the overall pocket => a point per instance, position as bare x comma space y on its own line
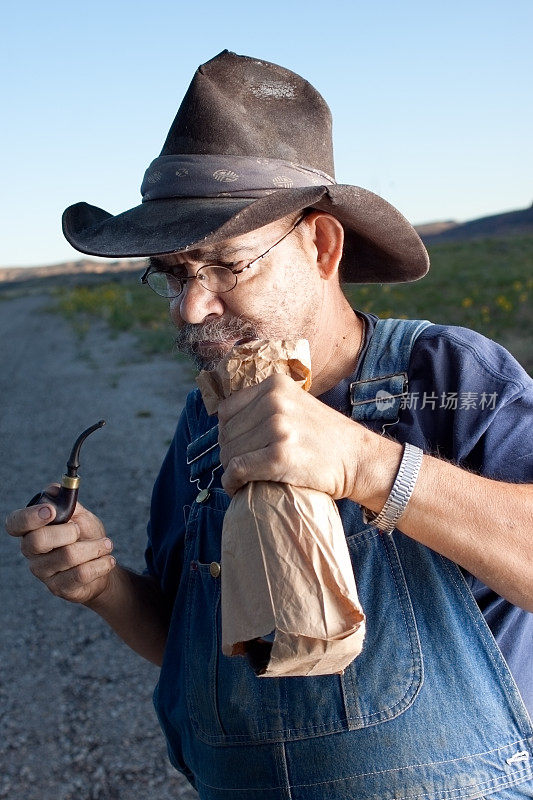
228, 703
384, 680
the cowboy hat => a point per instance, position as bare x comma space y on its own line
250, 144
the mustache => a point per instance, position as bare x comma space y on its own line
218, 333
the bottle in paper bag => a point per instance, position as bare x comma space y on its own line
289, 600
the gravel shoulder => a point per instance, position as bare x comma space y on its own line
76, 716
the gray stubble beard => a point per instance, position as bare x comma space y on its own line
222, 332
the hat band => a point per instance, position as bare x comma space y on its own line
225, 176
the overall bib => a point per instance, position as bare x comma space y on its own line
428, 710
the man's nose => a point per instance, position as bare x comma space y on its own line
195, 303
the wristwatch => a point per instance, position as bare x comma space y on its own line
401, 491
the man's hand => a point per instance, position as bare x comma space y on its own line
72, 559
277, 432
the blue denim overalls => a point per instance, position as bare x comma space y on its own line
428, 711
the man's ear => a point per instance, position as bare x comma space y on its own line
328, 239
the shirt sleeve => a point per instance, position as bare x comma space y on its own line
470, 402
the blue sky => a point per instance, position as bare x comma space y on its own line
431, 101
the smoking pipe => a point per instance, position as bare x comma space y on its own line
65, 501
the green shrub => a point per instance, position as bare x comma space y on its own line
485, 285
123, 307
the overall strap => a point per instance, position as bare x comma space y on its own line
203, 451
382, 377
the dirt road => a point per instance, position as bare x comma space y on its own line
76, 717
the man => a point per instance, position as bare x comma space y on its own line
247, 231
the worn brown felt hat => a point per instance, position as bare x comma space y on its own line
250, 144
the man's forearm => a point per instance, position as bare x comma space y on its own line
484, 525
134, 607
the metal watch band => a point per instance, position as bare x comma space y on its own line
401, 491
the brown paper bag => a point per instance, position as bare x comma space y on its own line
285, 566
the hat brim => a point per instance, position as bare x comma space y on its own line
381, 246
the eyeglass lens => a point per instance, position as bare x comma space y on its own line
212, 277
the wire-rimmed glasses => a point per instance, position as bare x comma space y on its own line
213, 277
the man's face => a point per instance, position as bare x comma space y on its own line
279, 297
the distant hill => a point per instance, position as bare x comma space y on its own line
434, 228
512, 223
69, 272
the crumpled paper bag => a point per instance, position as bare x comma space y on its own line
285, 566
